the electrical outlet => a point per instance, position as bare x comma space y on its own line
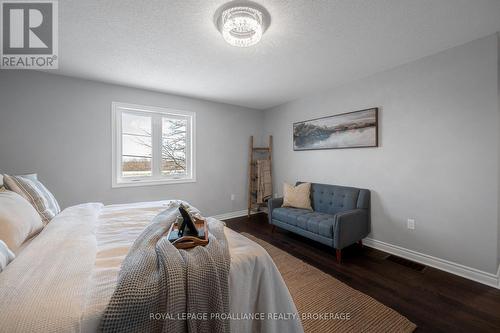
232, 197
410, 224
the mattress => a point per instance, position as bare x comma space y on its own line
63, 280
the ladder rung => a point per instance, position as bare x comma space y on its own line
260, 148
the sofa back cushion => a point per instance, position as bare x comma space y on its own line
333, 199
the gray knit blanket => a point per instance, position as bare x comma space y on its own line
163, 289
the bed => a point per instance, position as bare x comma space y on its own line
62, 279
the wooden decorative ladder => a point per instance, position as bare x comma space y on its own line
262, 153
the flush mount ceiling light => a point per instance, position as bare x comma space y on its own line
242, 23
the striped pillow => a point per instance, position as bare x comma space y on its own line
28, 189
51, 200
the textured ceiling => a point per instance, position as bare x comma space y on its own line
174, 47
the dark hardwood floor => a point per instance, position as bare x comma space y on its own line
434, 300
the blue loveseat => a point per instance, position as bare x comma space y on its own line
340, 216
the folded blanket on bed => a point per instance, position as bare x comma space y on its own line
163, 289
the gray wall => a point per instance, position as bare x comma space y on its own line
60, 127
498, 207
438, 160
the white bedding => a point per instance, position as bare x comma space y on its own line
63, 280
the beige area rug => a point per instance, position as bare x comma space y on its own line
315, 292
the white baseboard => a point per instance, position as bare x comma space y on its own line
231, 215
470, 273
498, 277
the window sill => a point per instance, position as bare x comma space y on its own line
139, 183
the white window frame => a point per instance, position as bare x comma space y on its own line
157, 178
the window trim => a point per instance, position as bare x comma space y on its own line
116, 155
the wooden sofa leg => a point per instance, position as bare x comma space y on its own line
360, 243
338, 253
273, 228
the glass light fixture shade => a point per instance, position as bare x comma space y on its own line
242, 25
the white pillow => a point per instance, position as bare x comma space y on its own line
18, 220
6, 255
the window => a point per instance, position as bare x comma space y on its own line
152, 145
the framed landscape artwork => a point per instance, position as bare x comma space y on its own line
356, 129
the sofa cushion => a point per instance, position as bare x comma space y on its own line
332, 199
289, 215
316, 222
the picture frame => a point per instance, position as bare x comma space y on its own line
356, 129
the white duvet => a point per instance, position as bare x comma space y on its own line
62, 281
